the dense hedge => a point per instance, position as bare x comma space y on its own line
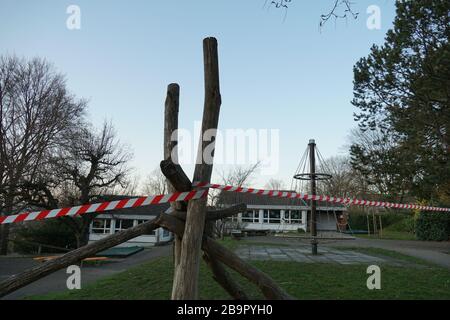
51, 232
433, 226
396, 222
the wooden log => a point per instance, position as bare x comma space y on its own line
73, 257
175, 174
171, 109
186, 275
178, 180
222, 277
268, 287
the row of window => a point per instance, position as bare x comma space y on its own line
110, 226
273, 216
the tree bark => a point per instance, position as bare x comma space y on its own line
186, 274
175, 174
224, 278
171, 109
22, 279
268, 287
4, 236
4, 228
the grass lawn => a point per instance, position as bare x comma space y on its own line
153, 280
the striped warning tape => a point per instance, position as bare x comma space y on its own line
304, 196
104, 206
197, 194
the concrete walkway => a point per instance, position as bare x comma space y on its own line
56, 282
434, 252
430, 251
303, 254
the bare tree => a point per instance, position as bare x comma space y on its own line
344, 181
36, 109
375, 155
239, 175
91, 164
275, 184
341, 9
155, 183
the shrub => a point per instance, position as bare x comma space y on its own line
51, 232
433, 226
407, 224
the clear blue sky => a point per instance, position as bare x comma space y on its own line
275, 73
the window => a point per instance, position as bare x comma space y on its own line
149, 233
274, 216
101, 226
247, 216
122, 224
295, 216
165, 233
250, 216
266, 216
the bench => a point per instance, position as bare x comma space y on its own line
91, 259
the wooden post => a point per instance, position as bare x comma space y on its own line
170, 126
186, 275
368, 224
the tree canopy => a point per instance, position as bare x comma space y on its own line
402, 91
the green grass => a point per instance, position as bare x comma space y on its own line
153, 280
390, 235
383, 253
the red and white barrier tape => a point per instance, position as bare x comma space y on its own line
104, 206
197, 194
304, 196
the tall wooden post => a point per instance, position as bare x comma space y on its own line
312, 165
186, 276
172, 105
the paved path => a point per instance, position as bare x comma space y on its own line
431, 251
434, 252
56, 282
303, 254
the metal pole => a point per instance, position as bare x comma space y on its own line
312, 162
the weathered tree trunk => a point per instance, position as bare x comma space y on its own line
170, 126
4, 236
4, 228
224, 278
175, 174
22, 279
186, 274
268, 287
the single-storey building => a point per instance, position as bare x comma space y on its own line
282, 214
114, 221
